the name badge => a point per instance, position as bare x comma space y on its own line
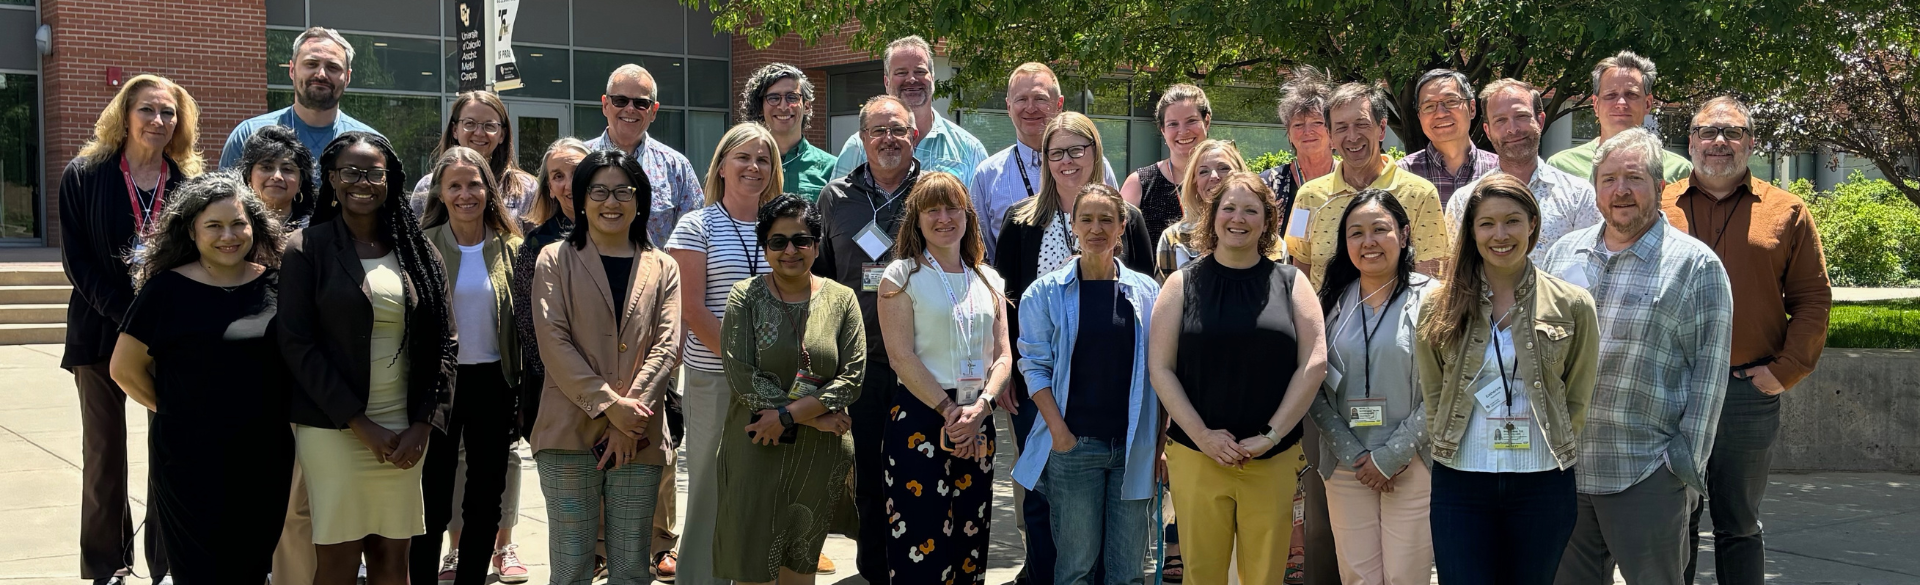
1512, 433
873, 241
870, 275
1491, 397
1297, 225
971, 382
805, 383
1366, 412
1575, 275
139, 253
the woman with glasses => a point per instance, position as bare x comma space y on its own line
1212, 161
796, 352
780, 97
479, 121
1183, 116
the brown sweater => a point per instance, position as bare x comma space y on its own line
1765, 237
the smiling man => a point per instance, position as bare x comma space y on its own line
939, 145
1622, 97
1450, 159
780, 96
1512, 122
630, 105
1033, 100
322, 65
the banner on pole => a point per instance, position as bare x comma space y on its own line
470, 44
506, 74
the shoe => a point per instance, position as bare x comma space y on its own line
362, 579
449, 566
826, 565
665, 566
506, 563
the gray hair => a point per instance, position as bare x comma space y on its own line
906, 42
1629, 60
874, 102
1304, 95
1349, 92
323, 34
1460, 80
755, 95
1726, 101
1634, 140
636, 72
1036, 68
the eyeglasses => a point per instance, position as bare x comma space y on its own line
1060, 154
621, 101
471, 125
885, 131
779, 243
790, 98
623, 193
1712, 133
355, 174
1429, 108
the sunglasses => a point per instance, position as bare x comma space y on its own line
621, 101
779, 243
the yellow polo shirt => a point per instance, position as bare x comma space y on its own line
1325, 199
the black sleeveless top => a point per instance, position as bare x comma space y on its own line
1159, 200
1238, 348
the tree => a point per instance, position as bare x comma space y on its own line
1869, 106
1551, 44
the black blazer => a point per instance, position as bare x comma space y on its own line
1017, 259
96, 230
326, 332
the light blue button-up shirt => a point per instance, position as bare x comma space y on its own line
946, 148
1049, 322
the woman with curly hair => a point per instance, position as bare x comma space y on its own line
279, 169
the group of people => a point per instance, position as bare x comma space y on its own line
340, 363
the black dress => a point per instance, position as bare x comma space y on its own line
1159, 201
1238, 347
221, 447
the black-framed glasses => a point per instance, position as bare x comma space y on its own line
1711, 133
790, 98
623, 193
1431, 107
621, 101
471, 125
885, 131
1060, 154
357, 174
779, 243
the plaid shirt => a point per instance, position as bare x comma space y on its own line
1428, 163
676, 187
1666, 322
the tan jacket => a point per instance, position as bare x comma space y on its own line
498, 249
593, 358
1557, 360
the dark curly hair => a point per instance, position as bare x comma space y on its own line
752, 98
642, 200
271, 144
171, 244
783, 206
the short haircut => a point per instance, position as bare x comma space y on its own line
323, 34
1304, 95
1725, 101
1350, 92
1629, 60
787, 205
636, 72
1466, 89
1637, 141
1509, 84
754, 98
1181, 92
906, 42
1036, 68
873, 103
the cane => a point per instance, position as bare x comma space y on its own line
1160, 532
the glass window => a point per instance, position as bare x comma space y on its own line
17, 50
543, 72
588, 122
670, 128
992, 127
709, 83
1101, 97
539, 21
17, 2
704, 130
1251, 141
279, 12
1113, 139
846, 92
1244, 104
623, 24
592, 69
532, 138
19, 155
408, 17
1586, 126
411, 123
378, 62
701, 38
1144, 145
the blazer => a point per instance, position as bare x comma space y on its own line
326, 332
499, 249
594, 355
95, 234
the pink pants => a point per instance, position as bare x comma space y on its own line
1382, 538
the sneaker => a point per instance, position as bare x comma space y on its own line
506, 563
665, 566
448, 567
826, 566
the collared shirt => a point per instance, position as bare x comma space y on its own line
1326, 199
1499, 371
946, 148
1566, 204
996, 185
315, 138
804, 170
676, 187
1781, 296
1430, 165
1665, 312
1578, 161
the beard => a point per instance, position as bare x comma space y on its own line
318, 98
889, 159
1717, 170
1522, 152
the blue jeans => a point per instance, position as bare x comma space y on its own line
1500, 528
1090, 520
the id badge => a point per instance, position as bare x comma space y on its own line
804, 384
972, 381
870, 276
1490, 397
139, 252
1514, 433
1366, 412
873, 241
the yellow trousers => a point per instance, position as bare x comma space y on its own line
1221, 507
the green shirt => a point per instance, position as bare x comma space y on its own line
805, 169
1578, 161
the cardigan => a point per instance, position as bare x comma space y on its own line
96, 232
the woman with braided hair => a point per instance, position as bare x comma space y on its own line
365, 328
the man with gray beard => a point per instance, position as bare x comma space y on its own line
1513, 121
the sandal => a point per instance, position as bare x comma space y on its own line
1173, 564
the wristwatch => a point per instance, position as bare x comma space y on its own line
1272, 435
786, 418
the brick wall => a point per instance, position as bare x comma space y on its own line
212, 48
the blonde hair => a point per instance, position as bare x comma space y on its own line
740, 134
1047, 202
110, 129
1036, 68
544, 204
1192, 203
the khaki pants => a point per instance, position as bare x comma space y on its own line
1383, 538
293, 561
1234, 515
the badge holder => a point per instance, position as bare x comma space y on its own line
1512, 433
1366, 412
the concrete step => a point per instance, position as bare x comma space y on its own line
22, 334
32, 275
34, 294
33, 313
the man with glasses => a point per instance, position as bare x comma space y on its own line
861, 214
780, 96
322, 65
938, 144
1512, 122
630, 104
1356, 114
1033, 99
1622, 97
1446, 116
1765, 237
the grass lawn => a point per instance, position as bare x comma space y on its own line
1891, 324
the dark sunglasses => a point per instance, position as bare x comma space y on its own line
779, 243
621, 101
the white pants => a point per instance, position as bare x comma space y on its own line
707, 399
1382, 538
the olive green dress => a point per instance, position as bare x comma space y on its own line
777, 502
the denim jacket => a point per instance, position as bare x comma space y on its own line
1049, 322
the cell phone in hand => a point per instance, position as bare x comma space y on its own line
600, 449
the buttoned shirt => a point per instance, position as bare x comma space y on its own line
1430, 165
1566, 204
997, 184
804, 169
1666, 321
676, 186
1578, 161
1326, 198
947, 148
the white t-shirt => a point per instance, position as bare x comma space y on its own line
731, 257
473, 308
938, 322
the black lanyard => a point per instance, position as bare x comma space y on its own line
1021, 163
1367, 334
1694, 226
753, 263
1500, 360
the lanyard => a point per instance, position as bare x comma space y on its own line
1693, 228
1367, 334
1020, 162
143, 212
753, 262
1500, 360
891, 197
964, 324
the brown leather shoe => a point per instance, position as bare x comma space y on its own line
826, 565
665, 566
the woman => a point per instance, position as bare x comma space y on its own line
779, 96
1183, 115
548, 220
1304, 108
713, 247
279, 169
1372, 427
796, 353
945, 328
144, 144
197, 349
469, 226
1085, 338
1226, 329
479, 121
366, 328
1503, 480
608, 319
1213, 160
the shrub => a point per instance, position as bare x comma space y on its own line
1260, 164
1870, 232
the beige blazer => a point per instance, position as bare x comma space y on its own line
594, 355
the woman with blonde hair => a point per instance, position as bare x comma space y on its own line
1213, 160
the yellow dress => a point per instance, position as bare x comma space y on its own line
351, 494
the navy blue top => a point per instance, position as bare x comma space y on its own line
620, 277
1102, 363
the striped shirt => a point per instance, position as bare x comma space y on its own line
731, 258
1666, 322
1477, 452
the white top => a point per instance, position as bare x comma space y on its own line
1476, 448
731, 257
1566, 204
473, 308
939, 323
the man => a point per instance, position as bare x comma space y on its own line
938, 144
1450, 159
322, 65
1622, 96
1512, 122
630, 105
1033, 99
780, 96
1780, 301
1355, 114
1665, 317
870, 198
